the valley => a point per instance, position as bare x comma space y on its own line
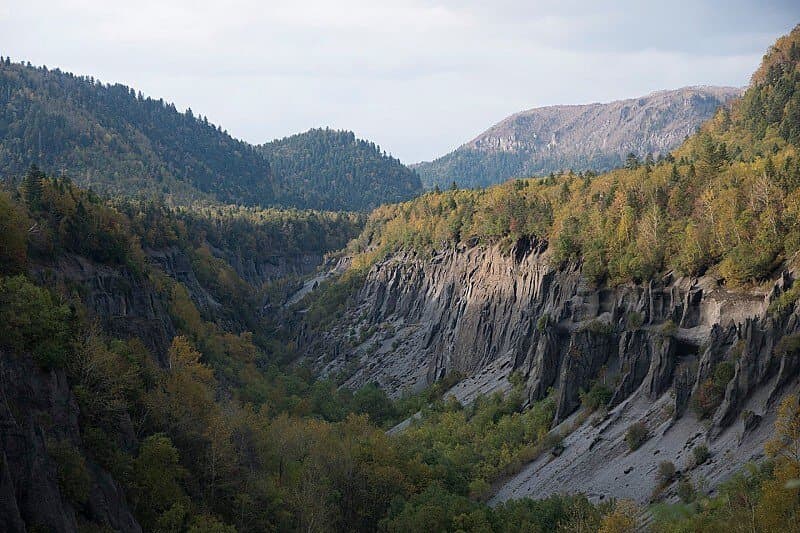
200, 334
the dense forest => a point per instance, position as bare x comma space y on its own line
330, 167
116, 141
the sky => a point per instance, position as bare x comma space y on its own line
417, 77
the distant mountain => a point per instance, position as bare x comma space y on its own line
578, 137
114, 140
331, 167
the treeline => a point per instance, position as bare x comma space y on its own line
728, 199
118, 142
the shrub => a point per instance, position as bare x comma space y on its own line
666, 473
636, 435
700, 454
541, 324
597, 396
73, 476
635, 320
668, 328
723, 374
789, 344
706, 400
686, 491
622, 519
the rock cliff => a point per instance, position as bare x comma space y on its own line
485, 312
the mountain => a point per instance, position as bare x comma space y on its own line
651, 314
580, 352
594, 137
329, 167
114, 140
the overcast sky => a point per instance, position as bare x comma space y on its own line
417, 77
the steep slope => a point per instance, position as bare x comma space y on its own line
672, 286
329, 167
594, 137
117, 142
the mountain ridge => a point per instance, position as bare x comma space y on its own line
115, 140
595, 136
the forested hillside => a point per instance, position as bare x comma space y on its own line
116, 141
329, 167
596, 137
157, 373
727, 198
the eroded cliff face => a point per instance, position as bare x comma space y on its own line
484, 312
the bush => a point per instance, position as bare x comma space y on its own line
666, 473
789, 344
700, 454
636, 436
541, 323
635, 320
598, 396
686, 490
73, 476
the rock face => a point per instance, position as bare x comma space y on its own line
579, 137
36, 410
484, 313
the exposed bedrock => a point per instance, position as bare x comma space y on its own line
484, 312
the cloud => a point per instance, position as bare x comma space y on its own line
418, 77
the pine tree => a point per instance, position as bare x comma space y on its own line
32, 187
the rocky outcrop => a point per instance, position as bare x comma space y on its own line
38, 411
466, 307
478, 310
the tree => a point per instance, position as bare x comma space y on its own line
33, 189
785, 443
623, 519
156, 481
13, 237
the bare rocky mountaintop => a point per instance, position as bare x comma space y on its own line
580, 137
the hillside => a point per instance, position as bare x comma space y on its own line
328, 167
653, 312
595, 137
580, 352
114, 140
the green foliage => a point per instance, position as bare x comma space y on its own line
488, 440
121, 143
32, 320
158, 496
13, 237
73, 476
665, 473
789, 345
710, 393
686, 491
345, 172
328, 302
700, 454
785, 301
597, 396
636, 435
